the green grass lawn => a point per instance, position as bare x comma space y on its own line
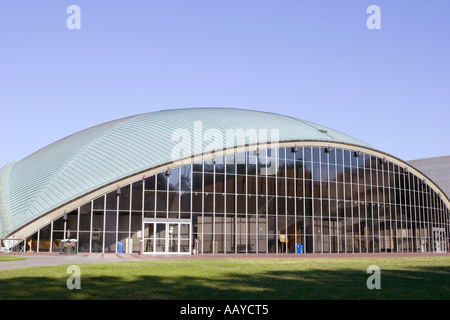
218, 279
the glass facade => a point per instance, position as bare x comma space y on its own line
324, 200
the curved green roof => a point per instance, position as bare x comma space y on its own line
98, 156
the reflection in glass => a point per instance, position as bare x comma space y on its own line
329, 200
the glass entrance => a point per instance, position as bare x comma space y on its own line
439, 240
167, 237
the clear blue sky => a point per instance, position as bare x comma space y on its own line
314, 60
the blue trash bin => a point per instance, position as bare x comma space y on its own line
119, 247
298, 248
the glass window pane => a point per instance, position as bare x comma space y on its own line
308, 154
316, 154
150, 183
85, 217
230, 163
136, 203
124, 198
99, 203
124, 220
174, 179
161, 181
185, 178
58, 224
185, 202
149, 201
230, 183
220, 181
44, 240
97, 220
72, 223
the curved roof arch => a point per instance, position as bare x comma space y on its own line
103, 154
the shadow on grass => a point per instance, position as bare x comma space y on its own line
429, 283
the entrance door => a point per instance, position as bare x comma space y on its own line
167, 237
439, 242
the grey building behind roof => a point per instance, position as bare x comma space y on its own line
437, 168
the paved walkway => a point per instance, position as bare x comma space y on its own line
41, 259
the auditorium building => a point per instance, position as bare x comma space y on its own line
222, 181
